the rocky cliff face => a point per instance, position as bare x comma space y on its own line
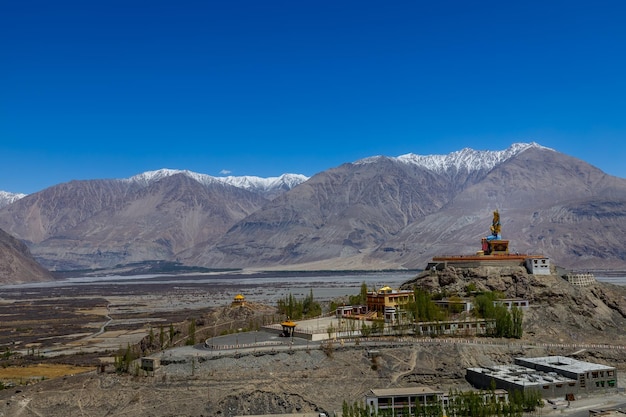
16, 263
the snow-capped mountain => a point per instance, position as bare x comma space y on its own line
466, 159
150, 177
267, 186
379, 212
285, 181
7, 198
384, 211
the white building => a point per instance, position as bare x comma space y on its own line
538, 265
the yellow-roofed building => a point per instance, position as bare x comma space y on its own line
387, 302
239, 300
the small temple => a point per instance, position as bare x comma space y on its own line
289, 328
239, 301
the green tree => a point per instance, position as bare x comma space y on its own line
507, 323
124, 358
483, 305
297, 309
310, 307
360, 298
191, 338
517, 317
423, 308
366, 330
151, 337
504, 323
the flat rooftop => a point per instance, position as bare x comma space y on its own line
388, 392
565, 364
520, 375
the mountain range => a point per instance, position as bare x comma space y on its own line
375, 213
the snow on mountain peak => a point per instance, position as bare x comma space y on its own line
149, 177
466, 159
285, 181
7, 198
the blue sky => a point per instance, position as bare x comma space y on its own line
109, 89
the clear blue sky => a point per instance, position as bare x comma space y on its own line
109, 89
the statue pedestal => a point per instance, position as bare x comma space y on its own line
495, 246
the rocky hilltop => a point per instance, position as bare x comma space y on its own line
559, 311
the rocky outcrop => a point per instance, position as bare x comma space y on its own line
558, 310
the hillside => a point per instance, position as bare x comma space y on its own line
559, 312
103, 223
17, 264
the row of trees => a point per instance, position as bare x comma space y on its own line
299, 309
423, 308
480, 404
460, 404
507, 323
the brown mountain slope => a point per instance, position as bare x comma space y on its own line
335, 214
55, 210
157, 222
375, 213
96, 224
549, 203
16, 263
394, 214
